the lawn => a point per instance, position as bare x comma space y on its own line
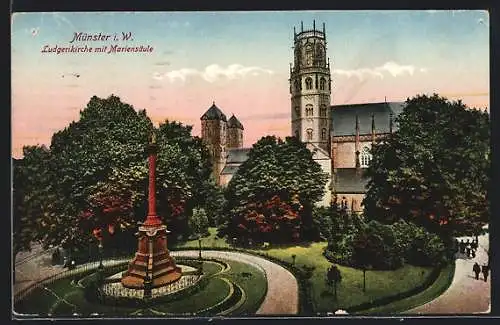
210, 241
436, 289
350, 292
64, 298
252, 281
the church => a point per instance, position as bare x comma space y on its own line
339, 136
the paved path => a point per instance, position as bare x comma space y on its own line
282, 296
34, 266
282, 288
466, 295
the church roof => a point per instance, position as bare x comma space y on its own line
344, 117
348, 181
233, 122
318, 153
237, 155
213, 113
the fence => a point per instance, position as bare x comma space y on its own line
77, 271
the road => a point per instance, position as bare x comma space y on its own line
466, 295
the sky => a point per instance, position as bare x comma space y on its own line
240, 61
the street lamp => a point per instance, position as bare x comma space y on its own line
100, 254
199, 244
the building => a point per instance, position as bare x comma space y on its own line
339, 136
222, 137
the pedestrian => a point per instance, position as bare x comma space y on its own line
485, 270
476, 269
474, 245
462, 246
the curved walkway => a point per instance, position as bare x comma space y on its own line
466, 295
282, 289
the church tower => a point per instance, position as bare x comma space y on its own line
310, 88
213, 133
234, 133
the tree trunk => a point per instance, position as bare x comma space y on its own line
335, 289
364, 280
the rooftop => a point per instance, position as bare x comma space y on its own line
214, 113
344, 117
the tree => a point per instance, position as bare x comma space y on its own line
333, 277
434, 170
95, 176
275, 187
198, 222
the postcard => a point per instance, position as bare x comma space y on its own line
250, 164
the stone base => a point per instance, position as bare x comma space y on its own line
134, 281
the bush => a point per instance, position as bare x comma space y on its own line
354, 242
376, 246
420, 247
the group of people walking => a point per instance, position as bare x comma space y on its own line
468, 248
481, 269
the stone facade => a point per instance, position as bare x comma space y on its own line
340, 136
219, 135
310, 88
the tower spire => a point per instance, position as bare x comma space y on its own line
301, 26
314, 24
324, 30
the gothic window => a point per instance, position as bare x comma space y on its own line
365, 157
319, 51
309, 83
297, 85
322, 83
309, 134
297, 134
309, 110
322, 111
323, 134
309, 54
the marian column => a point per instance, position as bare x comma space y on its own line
152, 265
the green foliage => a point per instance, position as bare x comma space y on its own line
198, 222
419, 246
435, 170
333, 275
343, 231
95, 177
376, 246
371, 244
275, 187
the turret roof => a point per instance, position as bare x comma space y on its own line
234, 123
213, 113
